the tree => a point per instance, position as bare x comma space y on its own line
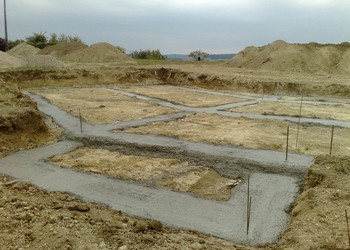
121, 49
53, 39
38, 40
69, 39
198, 55
2, 44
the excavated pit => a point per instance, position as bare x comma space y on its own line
274, 182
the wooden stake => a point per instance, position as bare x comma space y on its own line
81, 122
347, 225
331, 146
301, 105
287, 144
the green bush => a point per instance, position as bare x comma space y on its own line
40, 40
147, 54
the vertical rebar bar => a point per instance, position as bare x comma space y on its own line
287, 144
347, 225
301, 105
249, 212
248, 203
331, 146
81, 122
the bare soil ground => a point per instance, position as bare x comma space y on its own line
318, 215
21, 140
36, 219
160, 172
98, 106
251, 133
180, 96
325, 111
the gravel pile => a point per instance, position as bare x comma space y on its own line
97, 53
23, 50
62, 49
9, 61
43, 61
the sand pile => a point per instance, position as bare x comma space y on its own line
9, 61
23, 50
98, 53
62, 49
307, 58
43, 61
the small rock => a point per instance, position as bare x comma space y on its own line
79, 207
21, 186
83, 208
141, 227
123, 248
147, 238
201, 241
57, 205
155, 225
10, 183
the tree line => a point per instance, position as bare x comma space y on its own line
41, 40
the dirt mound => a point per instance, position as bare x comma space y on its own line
9, 61
43, 61
17, 111
307, 58
23, 50
62, 49
98, 53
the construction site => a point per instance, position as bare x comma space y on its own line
101, 151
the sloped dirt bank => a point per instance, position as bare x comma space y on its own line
205, 76
318, 214
21, 124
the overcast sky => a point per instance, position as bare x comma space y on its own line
181, 26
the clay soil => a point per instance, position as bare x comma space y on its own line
159, 172
251, 133
325, 111
98, 106
181, 96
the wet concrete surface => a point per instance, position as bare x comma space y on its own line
267, 160
271, 193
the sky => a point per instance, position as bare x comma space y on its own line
181, 26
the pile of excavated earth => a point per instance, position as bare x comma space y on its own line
308, 58
26, 55
21, 124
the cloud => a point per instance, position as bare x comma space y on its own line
184, 25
